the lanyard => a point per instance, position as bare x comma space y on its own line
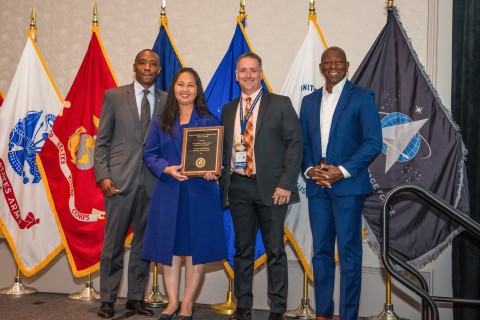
243, 122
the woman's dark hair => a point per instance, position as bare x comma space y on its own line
171, 112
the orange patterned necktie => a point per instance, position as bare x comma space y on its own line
248, 138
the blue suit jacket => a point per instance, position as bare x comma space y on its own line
355, 138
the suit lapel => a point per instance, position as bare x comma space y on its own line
342, 103
157, 109
316, 119
262, 109
132, 106
230, 121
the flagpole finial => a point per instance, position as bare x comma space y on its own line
242, 9
95, 16
33, 23
163, 13
390, 3
311, 10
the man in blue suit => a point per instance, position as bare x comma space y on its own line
341, 135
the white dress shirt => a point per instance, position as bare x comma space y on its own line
139, 96
327, 109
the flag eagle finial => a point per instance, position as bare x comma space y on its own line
33, 23
311, 9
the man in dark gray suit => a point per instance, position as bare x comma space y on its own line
125, 181
262, 154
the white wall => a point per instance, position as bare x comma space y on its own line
202, 31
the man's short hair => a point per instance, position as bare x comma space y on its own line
250, 55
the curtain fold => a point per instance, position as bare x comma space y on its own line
466, 112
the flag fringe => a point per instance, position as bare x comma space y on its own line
21, 266
313, 18
299, 252
164, 24
240, 24
49, 75
105, 56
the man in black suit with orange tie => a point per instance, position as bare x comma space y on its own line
262, 154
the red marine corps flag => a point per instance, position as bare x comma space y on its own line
67, 160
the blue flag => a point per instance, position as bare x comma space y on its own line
223, 88
170, 60
421, 146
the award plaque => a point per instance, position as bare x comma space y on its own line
202, 151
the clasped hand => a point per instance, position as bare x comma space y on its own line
325, 175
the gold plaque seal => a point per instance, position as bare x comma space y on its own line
200, 163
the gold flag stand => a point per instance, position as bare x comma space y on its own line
227, 307
154, 298
17, 288
88, 293
304, 311
387, 313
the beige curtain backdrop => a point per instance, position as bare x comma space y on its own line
202, 31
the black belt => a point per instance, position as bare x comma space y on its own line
252, 176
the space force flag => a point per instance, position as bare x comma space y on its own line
26, 117
303, 78
67, 162
170, 61
223, 88
421, 146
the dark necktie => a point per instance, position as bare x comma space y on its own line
145, 113
248, 138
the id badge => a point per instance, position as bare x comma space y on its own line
240, 156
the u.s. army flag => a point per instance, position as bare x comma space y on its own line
26, 117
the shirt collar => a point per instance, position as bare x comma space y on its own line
336, 88
253, 95
139, 88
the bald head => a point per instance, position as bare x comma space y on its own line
338, 49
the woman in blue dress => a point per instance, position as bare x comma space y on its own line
185, 217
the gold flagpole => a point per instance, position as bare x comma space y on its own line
229, 306
304, 310
89, 293
387, 313
154, 298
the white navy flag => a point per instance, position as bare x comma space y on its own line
303, 78
421, 146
